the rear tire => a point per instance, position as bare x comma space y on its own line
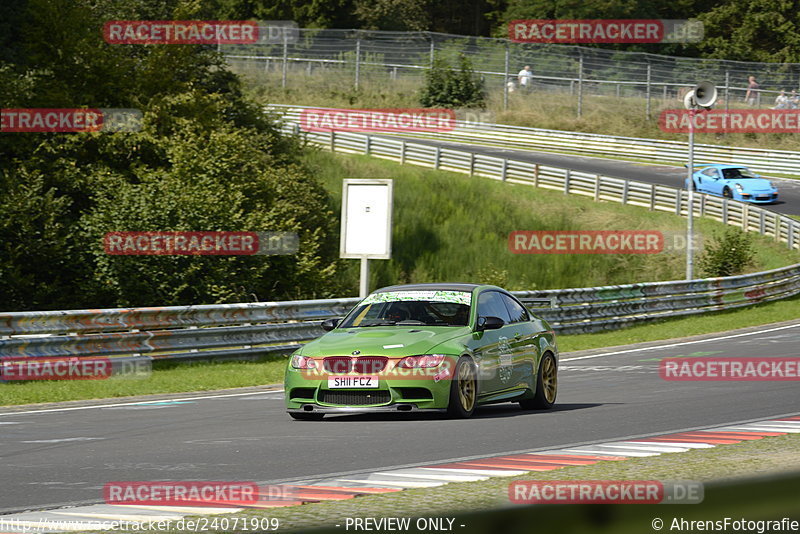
546, 386
311, 416
463, 390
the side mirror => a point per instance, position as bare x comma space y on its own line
489, 323
330, 324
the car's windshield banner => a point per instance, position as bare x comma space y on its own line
455, 297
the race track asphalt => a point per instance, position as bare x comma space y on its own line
57, 456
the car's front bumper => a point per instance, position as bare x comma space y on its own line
393, 394
390, 408
757, 198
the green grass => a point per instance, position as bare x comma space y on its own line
169, 378
449, 227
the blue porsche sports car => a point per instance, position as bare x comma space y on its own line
733, 181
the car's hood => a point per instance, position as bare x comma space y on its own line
392, 341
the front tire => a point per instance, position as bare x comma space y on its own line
546, 386
307, 416
727, 193
463, 390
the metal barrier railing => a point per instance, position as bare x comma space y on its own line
651, 150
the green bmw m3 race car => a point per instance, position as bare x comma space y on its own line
426, 347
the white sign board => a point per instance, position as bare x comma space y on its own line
366, 219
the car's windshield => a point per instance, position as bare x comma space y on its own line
736, 174
408, 308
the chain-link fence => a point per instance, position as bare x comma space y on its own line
354, 58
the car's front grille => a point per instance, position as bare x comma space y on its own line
362, 365
370, 364
337, 364
355, 398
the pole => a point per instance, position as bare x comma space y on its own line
690, 219
727, 89
363, 286
505, 83
647, 111
358, 62
285, 61
580, 84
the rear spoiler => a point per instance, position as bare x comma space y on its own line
700, 164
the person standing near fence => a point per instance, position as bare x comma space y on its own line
752, 90
525, 77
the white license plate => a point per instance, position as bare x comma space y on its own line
335, 382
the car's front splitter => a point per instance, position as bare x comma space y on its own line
393, 408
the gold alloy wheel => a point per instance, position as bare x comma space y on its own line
549, 380
466, 386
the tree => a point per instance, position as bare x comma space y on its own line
450, 88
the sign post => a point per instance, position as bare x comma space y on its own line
366, 224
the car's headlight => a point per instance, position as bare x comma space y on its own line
425, 360
738, 187
303, 362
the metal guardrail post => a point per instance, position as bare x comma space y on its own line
567, 176
472, 164
625, 192
504, 169
745, 217
597, 182
367, 141
402, 152
678, 202
777, 223
438, 155
333, 140
652, 197
535, 175
724, 211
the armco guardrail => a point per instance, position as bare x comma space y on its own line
227, 331
557, 141
244, 331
